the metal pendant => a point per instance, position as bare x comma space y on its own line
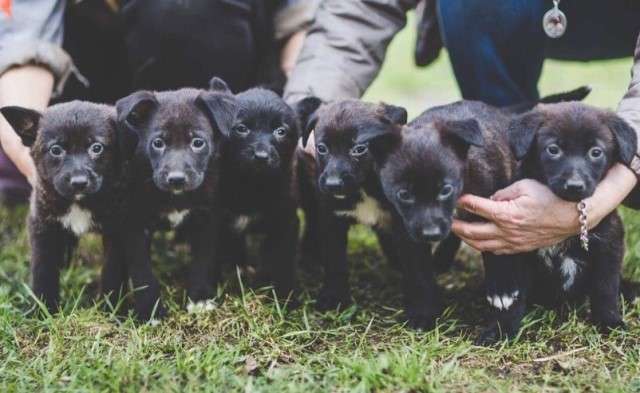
554, 22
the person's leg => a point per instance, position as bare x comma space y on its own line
496, 47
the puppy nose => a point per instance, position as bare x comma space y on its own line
79, 183
176, 179
575, 185
261, 155
334, 184
431, 234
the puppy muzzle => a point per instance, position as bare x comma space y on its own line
77, 185
178, 181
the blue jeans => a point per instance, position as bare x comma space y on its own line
497, 47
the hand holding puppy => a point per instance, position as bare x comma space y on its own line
527, 215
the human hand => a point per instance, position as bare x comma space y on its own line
527, 216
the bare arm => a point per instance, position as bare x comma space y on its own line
30, 87
516, 225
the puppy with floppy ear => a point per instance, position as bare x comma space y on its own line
176, 176
349, 191
570, 147
443, 153
80, 158
259, 182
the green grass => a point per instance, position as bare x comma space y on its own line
249, 344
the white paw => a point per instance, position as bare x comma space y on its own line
201, 307
503, 302
154, 322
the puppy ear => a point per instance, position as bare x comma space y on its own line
220, 109
522, 132
381, 140
136, 109
127, 141
625, 136
467, 131
218, 85
397, 115
306, 111
24, 121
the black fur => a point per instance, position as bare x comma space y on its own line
176, 174
443, 153
80, 158
348, 191
570, 147
259, 183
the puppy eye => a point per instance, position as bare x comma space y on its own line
446, 191
359, 150
553, 150
158, 144
96, 149
56, 151
280, 132
595, 153
322, 149
198, 143
241, 129
405, 196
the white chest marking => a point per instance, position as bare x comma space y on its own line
568, 268
77, 219
177, 216
368, 212
241, 223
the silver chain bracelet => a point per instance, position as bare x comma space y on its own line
584, 230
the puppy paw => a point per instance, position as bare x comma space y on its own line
421, 318
607, 326
200, 307
494, 334
201, 294
503, 300
332, 299
151, 312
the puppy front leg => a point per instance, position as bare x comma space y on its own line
279, 251
332, 243
147, 303
506, 281
48, 246
204, 270
113, 277
606, 260
422, 298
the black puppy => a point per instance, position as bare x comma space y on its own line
570, 147
80, 161
423, 170
258, 181
175, 178
349, 191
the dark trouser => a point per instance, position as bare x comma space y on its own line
159, 45
497, 47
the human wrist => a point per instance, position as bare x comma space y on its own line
610, 193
